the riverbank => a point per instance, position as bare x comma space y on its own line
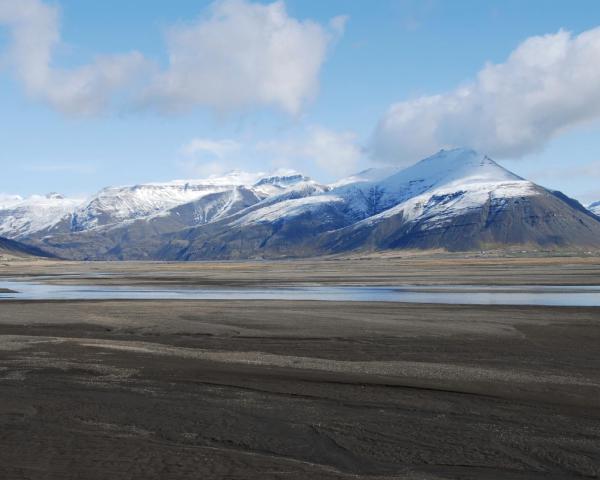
383, 270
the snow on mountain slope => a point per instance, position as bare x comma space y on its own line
279, 181
115, 205
594, 208
369, 175
212, 207
303, 189
7, 200
287, 209
448, 171
20, 217
440, 186
442, 204
448, 184
231, 178
208, 199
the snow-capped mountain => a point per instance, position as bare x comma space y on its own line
460, 199
21, 217
456, 199
594, 208
209, 198
194, 202
440, 187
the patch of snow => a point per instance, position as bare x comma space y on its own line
229, 179
440, 205
594, 208
7, 200
20, 217
369, 175
287, 209
281, 180
115, 205
450, 171
305, 188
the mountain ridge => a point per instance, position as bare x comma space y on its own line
455, 199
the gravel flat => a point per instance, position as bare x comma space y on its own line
297, 389
301, 389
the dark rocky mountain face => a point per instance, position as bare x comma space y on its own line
545, 220
455, 200
233, 239
13, 248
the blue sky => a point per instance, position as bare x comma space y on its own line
356, 59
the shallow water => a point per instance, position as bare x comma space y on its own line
451, 294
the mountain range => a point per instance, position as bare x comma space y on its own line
456, 200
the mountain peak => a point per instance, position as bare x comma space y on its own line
460, 164
457, 156
457, 151
282, 178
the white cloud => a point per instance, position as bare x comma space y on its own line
238, 56
335, 152
214, 148
34, 33
242, 55
198, 168
203, 157
548, 84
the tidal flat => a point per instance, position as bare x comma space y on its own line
277, 389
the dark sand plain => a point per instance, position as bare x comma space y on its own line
301, 389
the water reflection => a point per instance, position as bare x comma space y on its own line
461, 294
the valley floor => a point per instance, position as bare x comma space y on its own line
301, 389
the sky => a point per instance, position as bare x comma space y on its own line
128, 91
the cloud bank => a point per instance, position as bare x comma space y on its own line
238, 56
335, 152
35, 35
243, 55
547, 85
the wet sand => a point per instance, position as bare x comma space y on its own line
295, 390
